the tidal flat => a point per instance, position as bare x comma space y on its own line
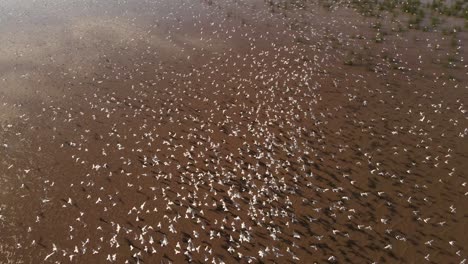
233, 131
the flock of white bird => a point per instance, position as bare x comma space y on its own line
230, 131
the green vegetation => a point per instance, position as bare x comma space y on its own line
458, 8
432, 12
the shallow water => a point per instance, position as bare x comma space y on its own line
233, 129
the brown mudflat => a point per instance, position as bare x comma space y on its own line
228, 131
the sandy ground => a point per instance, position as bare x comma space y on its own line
228, 131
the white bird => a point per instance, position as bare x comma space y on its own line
164, 241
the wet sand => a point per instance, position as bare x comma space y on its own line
228, 131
